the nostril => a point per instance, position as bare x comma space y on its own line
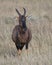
24, 25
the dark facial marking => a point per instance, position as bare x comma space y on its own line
23, 20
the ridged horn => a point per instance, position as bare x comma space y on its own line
18, 12
24, 11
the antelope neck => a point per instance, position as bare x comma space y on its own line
21, 30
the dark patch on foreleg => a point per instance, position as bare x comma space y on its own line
26, 46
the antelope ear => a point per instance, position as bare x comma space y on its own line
24, 11
18, 12
16, 18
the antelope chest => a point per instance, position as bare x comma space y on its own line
23, 37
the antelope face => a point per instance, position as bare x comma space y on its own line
22, 22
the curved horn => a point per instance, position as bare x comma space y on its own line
24, 11
18, 12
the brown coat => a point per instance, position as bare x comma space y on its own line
23, 38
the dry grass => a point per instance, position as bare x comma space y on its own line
40, 48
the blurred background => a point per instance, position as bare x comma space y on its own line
39, 14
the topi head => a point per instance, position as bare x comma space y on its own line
22, 19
